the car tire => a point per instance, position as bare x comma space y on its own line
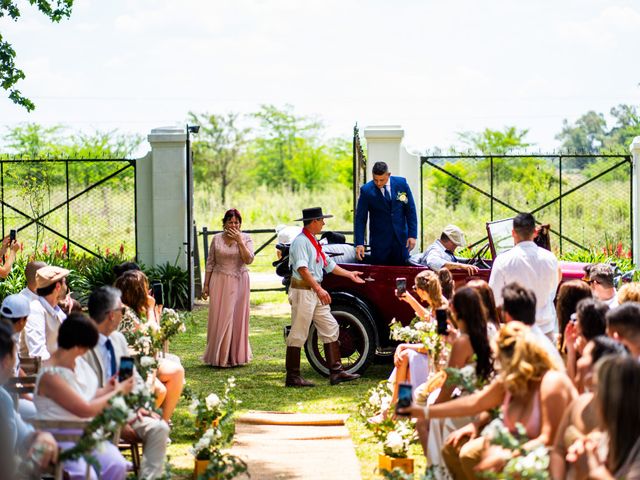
357, 341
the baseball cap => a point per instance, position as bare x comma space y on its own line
15, 306
455, 235
49, 275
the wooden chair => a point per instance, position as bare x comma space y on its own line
62, 431
130, 443
17, 386
30, 365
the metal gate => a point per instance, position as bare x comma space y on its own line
84, 205
586, 198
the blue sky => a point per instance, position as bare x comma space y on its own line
436, 68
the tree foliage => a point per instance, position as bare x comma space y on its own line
219, 151
10, 74
591, 133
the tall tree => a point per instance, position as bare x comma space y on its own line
219, 150
495, 141
10, 74
281, 137
586, 135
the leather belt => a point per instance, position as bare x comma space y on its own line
299, 284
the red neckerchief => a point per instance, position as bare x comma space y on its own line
316, 245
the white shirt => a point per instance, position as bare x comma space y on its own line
41, 331
436, 256
533, 267
387, 187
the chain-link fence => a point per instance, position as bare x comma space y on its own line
79, 205
585, 198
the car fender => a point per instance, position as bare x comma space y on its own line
366, 309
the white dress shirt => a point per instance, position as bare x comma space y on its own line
41, 330
533, 267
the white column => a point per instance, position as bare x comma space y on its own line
635, 152
384, 144
162, 199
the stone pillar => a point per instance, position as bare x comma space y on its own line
635, 152
384, 144
161, 203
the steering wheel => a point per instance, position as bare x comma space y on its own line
477, 259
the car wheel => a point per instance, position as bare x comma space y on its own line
357, 341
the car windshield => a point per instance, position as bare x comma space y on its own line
500, 235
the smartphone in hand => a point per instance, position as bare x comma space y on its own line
441, 318
405, 395
401, 286
12, 236
158, 293
126, 368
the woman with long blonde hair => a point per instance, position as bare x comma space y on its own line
528, 390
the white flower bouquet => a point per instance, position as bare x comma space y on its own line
397, 441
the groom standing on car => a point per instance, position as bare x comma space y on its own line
393, 227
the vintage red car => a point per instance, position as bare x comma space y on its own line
365, 311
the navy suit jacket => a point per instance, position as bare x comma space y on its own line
391, 223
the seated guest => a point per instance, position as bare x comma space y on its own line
529, 390
446, 283
410, 359
67, 389
616, 403
519, 304
441, 253
29, 292
629, 292
623, 324
41, 331
489, 302
15, 309
588, 322
141, 308
470, 346
105, 308
16, 436
119, 270
600, 278
569, 294
581, 417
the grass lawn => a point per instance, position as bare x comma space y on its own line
260, 385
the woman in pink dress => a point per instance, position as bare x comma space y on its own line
227, 283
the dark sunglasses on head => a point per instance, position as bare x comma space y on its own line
122, 310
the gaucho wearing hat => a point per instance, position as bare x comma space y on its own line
310, 302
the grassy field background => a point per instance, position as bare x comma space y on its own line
260, 385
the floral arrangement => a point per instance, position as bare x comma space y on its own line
171, 323
378, 399
412, 333
397, 441
424, 332
214, 429
102, 427
526, 461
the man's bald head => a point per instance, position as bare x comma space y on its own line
30, 274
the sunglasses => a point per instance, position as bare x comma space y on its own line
122, 310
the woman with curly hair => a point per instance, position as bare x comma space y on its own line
141, 311
528, 390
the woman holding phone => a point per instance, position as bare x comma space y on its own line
8, 251
67, 389
141, 309
226, 284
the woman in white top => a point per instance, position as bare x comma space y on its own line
67, 389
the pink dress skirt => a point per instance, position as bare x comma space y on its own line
228, 326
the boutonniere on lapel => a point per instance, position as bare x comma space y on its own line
402, 197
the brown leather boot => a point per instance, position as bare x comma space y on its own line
337, 373
294, 379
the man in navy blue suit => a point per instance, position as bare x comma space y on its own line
393, 229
